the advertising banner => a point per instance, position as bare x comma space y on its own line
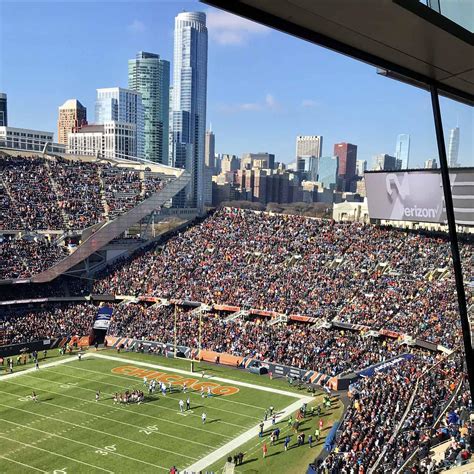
384, 366
102, 320
417, 196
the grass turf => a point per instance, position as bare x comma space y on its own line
67, 430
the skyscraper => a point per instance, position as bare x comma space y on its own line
189, 103
402, 150
453, 147
384, 162
347, 154
210, 150
123, 106
328, 169
431, 164
150, 76
309, 145
361, 167
72, 115
3, 110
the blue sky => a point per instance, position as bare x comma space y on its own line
264, 87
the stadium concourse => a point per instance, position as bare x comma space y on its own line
333, 298
40, 198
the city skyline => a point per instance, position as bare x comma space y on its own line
249, 113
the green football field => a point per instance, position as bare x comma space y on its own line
68, 431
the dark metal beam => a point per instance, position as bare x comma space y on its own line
247, 11
453, 238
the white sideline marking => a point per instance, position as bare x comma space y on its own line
243, 438
43, 366
56, 454
219, 379
23, 464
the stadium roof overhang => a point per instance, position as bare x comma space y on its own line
404, 38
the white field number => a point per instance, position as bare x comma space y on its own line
60, 471
149, 430
106, 450
25, 399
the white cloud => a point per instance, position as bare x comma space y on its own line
309, 103
136, 26
227, 29
268, 103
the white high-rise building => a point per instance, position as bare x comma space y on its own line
115, 104
402, 150
111, 139
309, 145
361, 167
453, 148
188, 127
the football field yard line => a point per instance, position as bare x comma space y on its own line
125, 377
113, 453
121, 408
97, 431
23, 464
219, 379
56, 454
116, 421
240, 440
158, 407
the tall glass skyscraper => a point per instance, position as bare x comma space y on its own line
123, 106
150, 76
453, 147
402, 151
328, 171
188, 125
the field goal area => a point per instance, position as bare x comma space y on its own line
77, 423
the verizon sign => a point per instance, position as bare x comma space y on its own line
418, 195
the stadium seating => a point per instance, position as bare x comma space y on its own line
54, 195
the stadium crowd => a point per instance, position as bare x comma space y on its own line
392, 414
21, 258
329, 351
56, 194
347, 271
57, 320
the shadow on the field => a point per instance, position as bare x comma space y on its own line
248, 460
213, 421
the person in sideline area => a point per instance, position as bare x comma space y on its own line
181, 406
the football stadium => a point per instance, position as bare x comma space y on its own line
145, 329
